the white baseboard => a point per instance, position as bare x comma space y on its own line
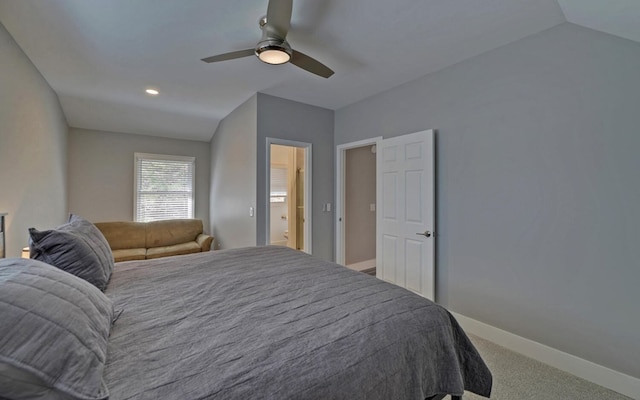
603, 376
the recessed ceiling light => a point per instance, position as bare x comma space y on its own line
152, 92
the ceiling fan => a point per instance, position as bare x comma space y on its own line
273, 48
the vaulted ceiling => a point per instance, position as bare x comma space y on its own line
100, 55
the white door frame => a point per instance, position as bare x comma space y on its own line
308, 176
341, 152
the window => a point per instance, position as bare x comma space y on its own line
163, 187
278, 184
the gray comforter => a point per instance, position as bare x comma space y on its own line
274, 323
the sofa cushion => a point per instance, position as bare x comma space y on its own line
171, 232
174, 250
130, 254
77, 247
124, 234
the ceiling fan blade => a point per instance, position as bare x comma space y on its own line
309, 64
279, 18
230, 56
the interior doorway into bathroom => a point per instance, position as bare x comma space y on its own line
289, 195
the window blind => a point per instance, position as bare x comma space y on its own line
278, 181
164, 187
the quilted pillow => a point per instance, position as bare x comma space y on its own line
77, 247
53, 335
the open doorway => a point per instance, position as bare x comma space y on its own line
356, 205
289, 194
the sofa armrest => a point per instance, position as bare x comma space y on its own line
204, 241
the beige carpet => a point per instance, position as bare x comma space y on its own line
516, 377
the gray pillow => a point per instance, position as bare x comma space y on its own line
77, 247
53, 335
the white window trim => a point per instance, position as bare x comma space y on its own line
138, 156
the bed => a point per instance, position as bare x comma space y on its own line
271, 322
251, 323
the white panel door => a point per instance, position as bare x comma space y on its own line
405, 213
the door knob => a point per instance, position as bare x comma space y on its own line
425, 233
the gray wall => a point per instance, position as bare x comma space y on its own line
101, 169
538, 186
360, 193
33, 148
233, 178
285, 119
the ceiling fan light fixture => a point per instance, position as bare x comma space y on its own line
274, 56
274, 52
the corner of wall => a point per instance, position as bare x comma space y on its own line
33, 147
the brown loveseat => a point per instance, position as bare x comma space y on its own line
144, 240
